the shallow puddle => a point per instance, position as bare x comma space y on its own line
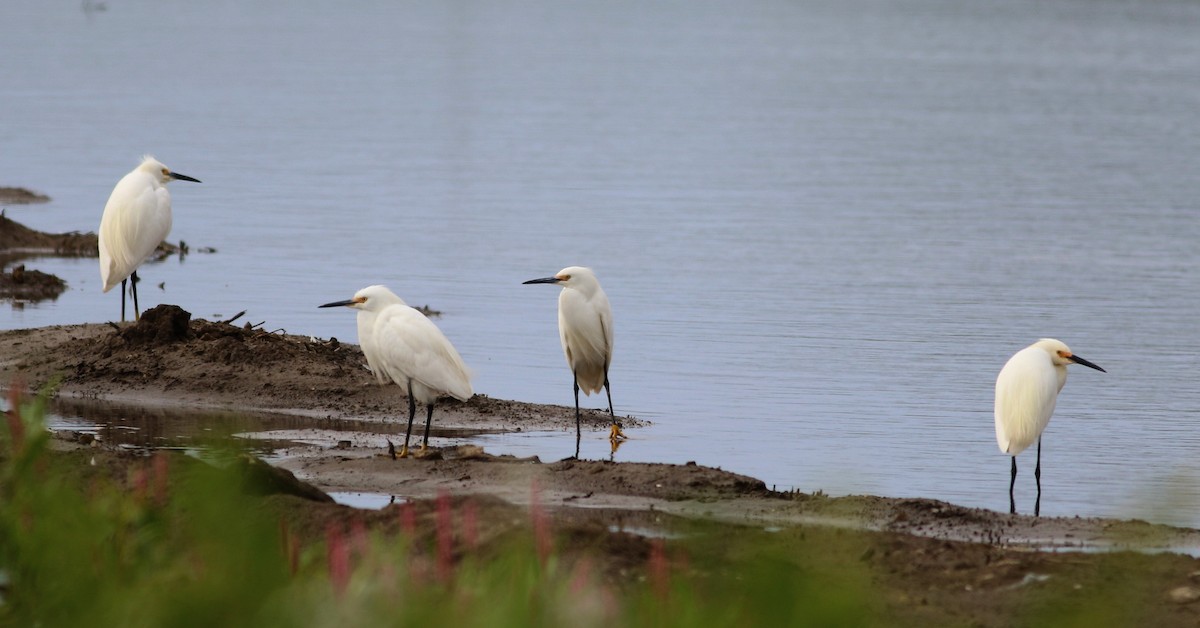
264, 432
365, 501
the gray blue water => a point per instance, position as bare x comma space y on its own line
823, 226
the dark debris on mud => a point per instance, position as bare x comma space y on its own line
18, 241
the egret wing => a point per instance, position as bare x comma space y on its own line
136, 220
585, 335
1026, 393
606, 326
409, 346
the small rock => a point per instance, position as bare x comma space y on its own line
1184, 595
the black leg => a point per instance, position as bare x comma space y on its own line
123, 300
412, 411
428, 420
608, 391
1037, 474
578, 428
137, 312
615, 433
1012, 503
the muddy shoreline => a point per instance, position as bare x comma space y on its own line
170, 360
327, 423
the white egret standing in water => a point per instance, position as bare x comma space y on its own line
585, 328
1026, 391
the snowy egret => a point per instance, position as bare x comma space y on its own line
1026, 391
585, 329
137, 218
408, 349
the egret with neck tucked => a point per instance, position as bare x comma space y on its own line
137, 218
1026, 392
405, 347
585, 327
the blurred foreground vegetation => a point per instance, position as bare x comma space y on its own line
171, 541
164, 539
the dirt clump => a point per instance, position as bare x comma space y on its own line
160, 325
29, 285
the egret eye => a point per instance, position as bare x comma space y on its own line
166, 172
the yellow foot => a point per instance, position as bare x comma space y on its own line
403, 452
424, 450
616, 433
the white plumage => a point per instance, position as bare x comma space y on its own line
1026, 394
366, 333
412, 350
585, 328
137, 218
405, 347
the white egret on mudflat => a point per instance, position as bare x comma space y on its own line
137, 218
408, 349
585, 327
1026, 392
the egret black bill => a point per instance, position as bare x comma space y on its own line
1078, 360
542, 280
183, 177
339, 303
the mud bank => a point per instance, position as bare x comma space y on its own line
935, 562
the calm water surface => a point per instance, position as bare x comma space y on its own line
823, 226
